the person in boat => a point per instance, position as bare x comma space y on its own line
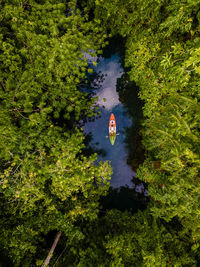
112, 127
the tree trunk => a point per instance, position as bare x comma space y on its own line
47, 260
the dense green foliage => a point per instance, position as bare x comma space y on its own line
163, 54
47, 183
124, 239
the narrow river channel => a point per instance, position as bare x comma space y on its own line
108, 102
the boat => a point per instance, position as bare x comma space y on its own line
112, 128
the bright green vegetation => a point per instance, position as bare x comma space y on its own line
47, 183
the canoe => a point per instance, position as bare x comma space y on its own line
112, 128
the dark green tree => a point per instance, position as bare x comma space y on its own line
123, 239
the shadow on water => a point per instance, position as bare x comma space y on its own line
91, 149
116, 46
128, 95
124, 198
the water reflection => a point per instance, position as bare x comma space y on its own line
108, 101
108, 96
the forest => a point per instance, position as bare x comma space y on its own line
51, 190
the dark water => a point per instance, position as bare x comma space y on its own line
108, 101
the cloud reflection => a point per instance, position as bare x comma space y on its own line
117, 154
113, 71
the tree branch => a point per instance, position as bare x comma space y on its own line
47, 260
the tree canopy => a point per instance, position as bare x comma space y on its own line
162, 52
48, 184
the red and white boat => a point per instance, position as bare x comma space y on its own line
112, 128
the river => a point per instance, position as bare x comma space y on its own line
108, 102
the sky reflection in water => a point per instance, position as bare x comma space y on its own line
117, 154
